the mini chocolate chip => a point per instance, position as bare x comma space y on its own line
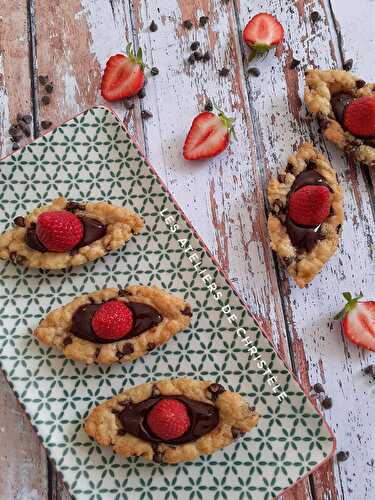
342, 456
74, 205
187, 24
318, 388
209, 106
153, 26
327, 403
45, 100
128, 104
224, 72
127, 349
142, 93
347, 66
43, 79
155, 391
253, 71
289, 168
281, 178
97, 352
194, 46
311, 165
370, 370
360, 83
215, 390
331, 211
187, 311
123, 292
49, 88
146, 114
19, 221
154, 71
295, 63
315, 17
15, 146
119, 354
150, 346
121, 432
203, 20
67, 341
191, 59
13, 130
45, 124
206, 56
27, 119
198, 55
25, 128
237, 433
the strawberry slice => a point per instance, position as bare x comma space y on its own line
359, 116
309, 206
262, 33
358, 321
123, 75
208, 136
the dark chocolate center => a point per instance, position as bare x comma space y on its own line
204, 417
144, 318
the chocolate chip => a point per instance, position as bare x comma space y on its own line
191, 59
289, 168
295, 63
206, 56
74, 205
338, 229
13, 130
370, 370
142, 93
281, 178
43, 79
19, 221
155, 391
154, 71
253, 71
150, 346
347, 66
27, 119
209, 106
203, 20
127, 349
342, 456
25, 128
45, 124
146, 114
32, 225
15, 146
318, 388
67, 341
198, 55
45, 100
360, 83
119, 354
187, 24
187, 311
49, 88
194, 46
121, 432
158, 456
237, 433
311, 165
153, 26
315, 17
327, 403
215, 390
224, 72
128, 104
123, 292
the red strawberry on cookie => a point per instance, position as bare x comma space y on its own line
59, 231
168, 419
358, 321
359, 116
123, 75
309, 206
208, 136
113, 320
262, 33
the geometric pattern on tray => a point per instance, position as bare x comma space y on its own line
91, 157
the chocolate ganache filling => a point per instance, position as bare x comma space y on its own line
93, 230
204, 417
303, 237
144, 318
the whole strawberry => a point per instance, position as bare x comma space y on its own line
123, 75
59, 231
358, 321
113, 320
168, 419
262, 33
359, 116
309, 206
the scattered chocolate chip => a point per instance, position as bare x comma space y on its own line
67, 341
123, 292
338, 229
360, 83
253, 71
45, 100
295, 63
150, 346
289, 168
342, 456
13, 130
119, 354
327, 403
203, 20
15, 146
43, 79
127, 349
153, 26
45, 124
191, 59
19, 221
74, 205
142, 93
187, 311
209, 106
315, 17
318, 388
97, 352
215, 390
146, 114
121, 432
237, 433
25, 128
154, 71
224, 72
311, 165
27, 119
348, 65
370, 370
198, 55
194, 46
187, 24
49, 88
128, 104
206, 56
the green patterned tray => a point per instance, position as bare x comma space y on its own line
92, 157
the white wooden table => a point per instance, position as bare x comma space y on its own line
70, 41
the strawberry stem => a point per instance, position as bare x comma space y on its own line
136, 58
225, 120
350, 305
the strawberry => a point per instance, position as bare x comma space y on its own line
208, 136
168, 419
113, 320
358, 321
359, 116
309, 205
59, 231
123, 75
262, 33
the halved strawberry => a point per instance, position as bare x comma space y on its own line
123, 75
358, 321
359, 116
309, 206
208, 136
262, 33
